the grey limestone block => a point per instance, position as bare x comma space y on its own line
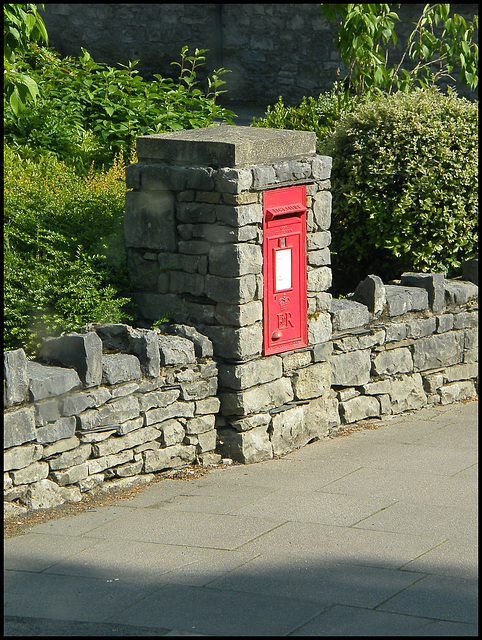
237, 259
439, 350
128, 469
181, 282
171, 432
111, 414
396, 332
248, 374
230, 180
198, 177
34, 472
175, 410
120, 367
158, 398
43, 494
319, 328
470, 270
347, 314
263, 175
98, 465
401, 299
176, 350
239, 315
251, 422
239, 216
236, 343
459, 292
393, 361
311, 381
199, 424
172, 457
15, 377
466, 320
144, 345
407, 393
71, 475
322, 209
455, 391
264, 397
318, 279
226, 146
206, 441
46, 411
203, 347
196, 212
289, 430
149, 220
82, 352
319, 258
18, 427
70, 458
359, 408
350, 369
47, 381
433, 283
20, 457
421, 328
61, 428
371, 292
237, 290
132, 439
321, 167
318, 240
245, 446
60, 446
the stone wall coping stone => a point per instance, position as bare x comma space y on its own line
226, 145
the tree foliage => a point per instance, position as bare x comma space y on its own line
22, 25
439, 45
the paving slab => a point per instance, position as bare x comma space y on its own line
216, 612
352, 621
438, 597
322, 582
213, 531
372, 533
423, 519
457, 558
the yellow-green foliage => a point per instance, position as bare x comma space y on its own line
63, 248
405, 186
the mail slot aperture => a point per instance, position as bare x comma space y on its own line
284, 269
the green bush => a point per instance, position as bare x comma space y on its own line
64, 257
88, 111
405, 186
319, 115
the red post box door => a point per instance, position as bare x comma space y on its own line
284, 254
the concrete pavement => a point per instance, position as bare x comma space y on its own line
373, 534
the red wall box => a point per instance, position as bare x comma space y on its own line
284, 269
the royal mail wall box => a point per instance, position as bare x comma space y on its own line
284, 269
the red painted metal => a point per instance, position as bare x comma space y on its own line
284, 270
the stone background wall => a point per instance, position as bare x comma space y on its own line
270, 49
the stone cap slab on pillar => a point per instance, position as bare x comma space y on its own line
226, 146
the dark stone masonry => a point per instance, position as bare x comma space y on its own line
114, 404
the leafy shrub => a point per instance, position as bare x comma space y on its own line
405, 186
319, 115
64, 257
88, 111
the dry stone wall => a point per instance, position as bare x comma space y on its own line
403, 346
102, 407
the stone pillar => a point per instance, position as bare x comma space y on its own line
194, 237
